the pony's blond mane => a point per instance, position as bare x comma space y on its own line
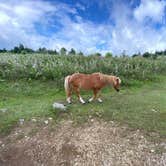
106, 78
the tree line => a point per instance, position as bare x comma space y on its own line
21, 49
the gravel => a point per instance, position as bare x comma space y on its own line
91, 144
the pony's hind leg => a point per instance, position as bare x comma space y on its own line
68, 96
79, 96
68, 89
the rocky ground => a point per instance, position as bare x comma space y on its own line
95, 143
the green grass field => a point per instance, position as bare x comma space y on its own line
141, 105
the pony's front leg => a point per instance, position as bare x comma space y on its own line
99, 99
79, 96
94, 95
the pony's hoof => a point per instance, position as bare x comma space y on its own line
69, 102
90, 100
100, 101
82, 101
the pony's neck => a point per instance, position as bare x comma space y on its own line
108, 79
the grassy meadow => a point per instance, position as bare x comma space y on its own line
30, 83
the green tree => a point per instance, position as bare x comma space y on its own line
63, 51
123, 54
146, 55
81, 53
3, 50
97, 54
164, 52
72, 52
21, 47
28, 50
42, 50
135, 55
15, 50
53, 52
108, 55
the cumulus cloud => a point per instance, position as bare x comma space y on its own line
17, 22
84, 36
131, 34
55, 25
152, 9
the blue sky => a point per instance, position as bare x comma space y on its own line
86, 25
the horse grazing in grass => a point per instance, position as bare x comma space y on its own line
95, 82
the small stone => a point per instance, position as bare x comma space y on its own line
154, 110
21, 121
34, 120
4, 110
90, 116
92, 120
59, 106
46, 122
50, 118
3, 145
76, 164
26, 137
152, 150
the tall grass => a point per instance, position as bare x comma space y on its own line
56, 67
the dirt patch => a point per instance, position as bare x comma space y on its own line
94, 143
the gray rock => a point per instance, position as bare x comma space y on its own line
4, 110
46, 122
33, 120
59, 106
21, 121
50, 118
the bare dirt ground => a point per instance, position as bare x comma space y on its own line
95, 143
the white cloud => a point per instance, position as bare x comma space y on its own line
17, 22
18, 25
4, 18
153, 9
131, 35
83, 36
80, 6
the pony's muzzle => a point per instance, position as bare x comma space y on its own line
117, 90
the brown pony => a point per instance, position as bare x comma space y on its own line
95, 82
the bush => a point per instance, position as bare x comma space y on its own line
56, 67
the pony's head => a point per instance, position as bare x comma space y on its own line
116, 83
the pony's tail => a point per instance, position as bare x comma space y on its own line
67, 85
